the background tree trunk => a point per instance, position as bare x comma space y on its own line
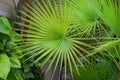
7, 7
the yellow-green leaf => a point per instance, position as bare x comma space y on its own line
4, 66
15, 63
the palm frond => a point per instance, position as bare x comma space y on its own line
105, 46
98, 70
111, 15
51, 37
87, 15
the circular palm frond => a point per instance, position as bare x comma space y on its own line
51, 37
87, 15
111, 15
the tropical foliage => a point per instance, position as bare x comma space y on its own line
104, 69
7, 59
51, 36
10, 66
69, 32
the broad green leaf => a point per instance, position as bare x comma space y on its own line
15, 74
4, 66
15, 63
15, 37
5, 28
1, 46
28, 75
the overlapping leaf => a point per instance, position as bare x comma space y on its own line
4, 66
87, 15
5, 29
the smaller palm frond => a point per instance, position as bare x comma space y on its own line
111, 15
106, 45
98, 70
51, 37
86, 14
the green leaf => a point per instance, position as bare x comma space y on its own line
28, 75
16, 37
115, 51
4, 66
18, 76
1, 46
86, 14
111, 15
100, 70
15, 63
5, 28
105, 46
15, 74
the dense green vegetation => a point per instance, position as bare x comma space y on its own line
83, 36
10, 66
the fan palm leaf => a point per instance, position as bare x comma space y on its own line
87, 15
111, 15
51, 37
